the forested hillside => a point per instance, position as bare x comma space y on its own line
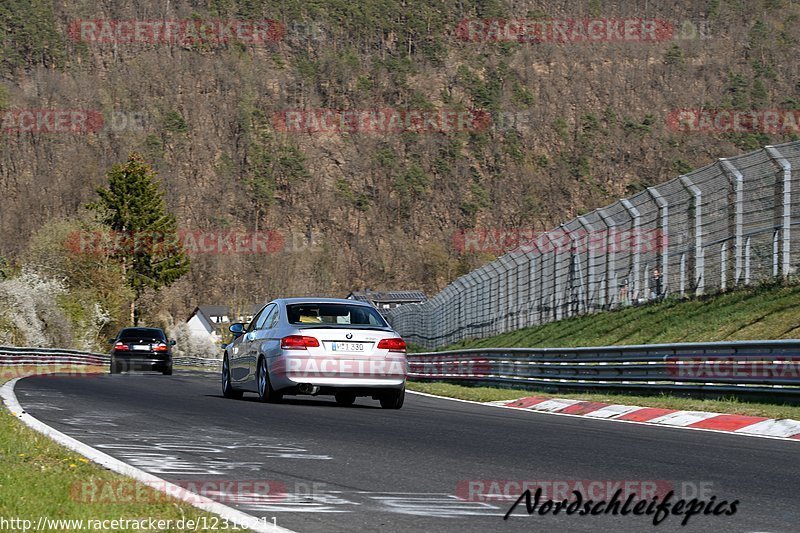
574, 126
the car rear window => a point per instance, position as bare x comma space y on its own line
142, 333
333, 314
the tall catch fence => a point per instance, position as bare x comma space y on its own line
728, 224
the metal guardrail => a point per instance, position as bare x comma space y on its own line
197, 361
20, 356
742, 368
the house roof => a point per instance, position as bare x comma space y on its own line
203, 318
388, 296
207, 311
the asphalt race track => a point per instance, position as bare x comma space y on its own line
362, 468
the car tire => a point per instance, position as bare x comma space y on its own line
394, 399
113, 367
167, 371
345, 398
227, 388
265, 391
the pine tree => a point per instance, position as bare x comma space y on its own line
144, 236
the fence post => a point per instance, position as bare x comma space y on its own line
663, 237
699, 253
522, 317
534, 295
723, 266
540, 306
747, 261
471, 304
486, 304
591, 269
573, 301
637, 248
611, 258
786, 167
683, 274
738, 252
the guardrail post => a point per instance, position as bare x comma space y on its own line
786, 167
636, 287
699, 252
738, 251
611, 259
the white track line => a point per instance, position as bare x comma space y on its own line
485, 404
206, 504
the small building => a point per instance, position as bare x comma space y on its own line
385, 301
213, 320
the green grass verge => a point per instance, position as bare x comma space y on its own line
767, 311
725, 406
41, 478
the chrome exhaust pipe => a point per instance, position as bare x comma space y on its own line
308, 388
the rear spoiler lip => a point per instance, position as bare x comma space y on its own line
343, 326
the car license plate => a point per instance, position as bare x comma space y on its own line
347, 346
141, 347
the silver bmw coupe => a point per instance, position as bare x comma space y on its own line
314, 346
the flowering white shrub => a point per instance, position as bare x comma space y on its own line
29, 312
189, 344
88, 334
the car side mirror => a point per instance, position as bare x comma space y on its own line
224, 345
237, 329
112, 341
172, 342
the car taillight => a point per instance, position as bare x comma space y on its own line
160, 347
298, 342
393, 345
121, 347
